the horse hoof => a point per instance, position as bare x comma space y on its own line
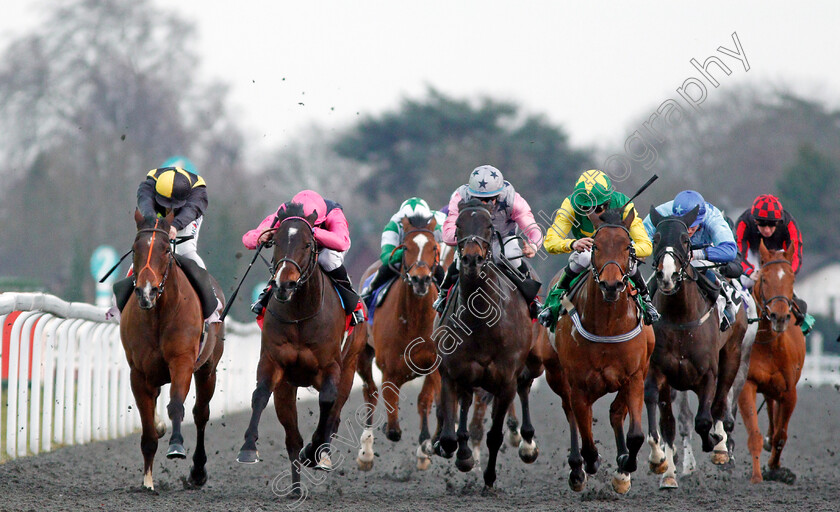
514, 438
719, 457
324, 463
756, 479
668, 482
576, 483
423, 459
364, 465
198, 477
767, 447
423, 463
621, 483
441, 452
465, 465
248, 457
394, 434
176, 451
783, 475
657, 468
528, 452
160, 428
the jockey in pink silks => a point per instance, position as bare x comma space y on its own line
333, 235
512, 219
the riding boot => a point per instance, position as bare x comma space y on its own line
382, 276
650, 313
122, 291
348, 294
548, 316
448, 280
566, 279
800, 313
261, 303
529, 288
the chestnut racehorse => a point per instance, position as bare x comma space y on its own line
775, 363
161, 330
405, 315
302, 346
602, 346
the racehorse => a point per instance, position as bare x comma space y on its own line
161, 331
602, 346
405, 315
302, 346
483, 340
690, 354
775, 364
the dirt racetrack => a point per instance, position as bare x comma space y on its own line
107, 475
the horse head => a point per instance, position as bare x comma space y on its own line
421, 255
295, 250
474, 234
774, 289
152, 258
671, 248
611, 251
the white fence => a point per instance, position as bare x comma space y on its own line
68, 379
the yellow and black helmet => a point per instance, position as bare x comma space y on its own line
173, 185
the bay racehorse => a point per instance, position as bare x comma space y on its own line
775, 364
404, 316
161, 330
483, 340
691, 352
602, 346
302, 346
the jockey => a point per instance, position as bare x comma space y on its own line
508, 211
710, 236
415, 209
572, 232
175, 186
768, 221
333, 236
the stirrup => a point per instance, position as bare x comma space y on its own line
357, 317
651, 314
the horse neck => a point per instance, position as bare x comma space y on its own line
683, 304
309, 296
595, 311
176, 287
488, 287
411, 307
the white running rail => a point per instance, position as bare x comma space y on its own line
77, 388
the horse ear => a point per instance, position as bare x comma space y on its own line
170, 217
631, 216
312, 217
595, 219
432, 224
691, 216
406, 224
655, 216
764, 254
789, 252
138, 217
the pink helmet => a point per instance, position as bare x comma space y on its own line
312, 201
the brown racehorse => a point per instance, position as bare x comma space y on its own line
405, 315
602, 346
161, 328
302, 346
691, 352
483, 340
775, 363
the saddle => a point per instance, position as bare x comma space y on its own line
377, 296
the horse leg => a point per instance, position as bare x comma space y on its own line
729, 359
746, 402
782, 416
495, 436
180, 371
447, 443
144, 397
685, 416
528, 450
391, 385
583, 415
463, 459
477, 424
631, 401
267, 378
656, 459
319, 445
345, 384
205, 387
514, 435
703, 421
431, 388
364, 367
285, 405
770, 405
668, 427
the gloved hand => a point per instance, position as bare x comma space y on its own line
747, 281
546, 318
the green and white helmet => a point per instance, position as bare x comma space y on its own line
416, 207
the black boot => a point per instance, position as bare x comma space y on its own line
651, 314
799, 310
261, 303
448, 281
122, 291
529, 288
382, 276
348, 294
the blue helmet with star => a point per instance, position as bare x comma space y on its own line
686, 201
486, 181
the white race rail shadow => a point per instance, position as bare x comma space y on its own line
77, 388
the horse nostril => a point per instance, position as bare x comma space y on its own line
660, 274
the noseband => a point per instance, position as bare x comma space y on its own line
765, 303
682, 273
404, 270
306, 273
155, 230
625, 273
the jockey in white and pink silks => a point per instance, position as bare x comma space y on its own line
333, 236
510, 214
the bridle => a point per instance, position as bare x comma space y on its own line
484, 244
312, 260
404, 270
155, 230
685, 263
625, 273
765, 303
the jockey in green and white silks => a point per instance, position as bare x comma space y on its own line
419, 214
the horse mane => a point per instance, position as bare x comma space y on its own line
419, 221
473, 203
290, 209
612, 216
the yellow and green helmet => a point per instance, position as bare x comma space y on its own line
591, 189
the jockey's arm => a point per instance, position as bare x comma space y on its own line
252, 238
335, 234
558, 236
526, 223
723, 248
638, 233
194, 208
390, 239
449, 224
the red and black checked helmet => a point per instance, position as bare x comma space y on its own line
767, 208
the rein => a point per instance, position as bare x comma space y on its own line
765, 303
299, 320
311, 263
155, 230
404, 270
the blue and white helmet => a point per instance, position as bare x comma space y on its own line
686, 201
486, 181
